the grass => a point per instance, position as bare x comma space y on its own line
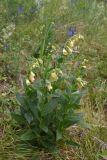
90, 19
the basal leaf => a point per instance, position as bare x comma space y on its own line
58, 135
44, 127
28, 117
29, 135
34, 110
72, 143
19, 118
20, 98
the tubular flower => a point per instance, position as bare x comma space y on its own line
84, 63
32, 77
40, 61
84, 67
77, 38
65, 53
60, 72
85, 60
69, 49
82, 83
49, 87
80, 37
72, 43
35, 65
27, 82
53, 76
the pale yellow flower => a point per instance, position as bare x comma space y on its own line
81, 37
4, 94
32, 74
53, 47
53, 76
49, 86
69, 49
40, 61
71, 43
82, 83
35, 65
27, 82
79, 79
85, 60
32, 77
84, 67
60, 72
65, 53
84, 63
76, 39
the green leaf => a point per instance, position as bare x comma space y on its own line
44, 127
83, 124
72, 143
34, 109
29, 135
75, 98
20, 98
51, 147
28, 117
50, 106
36, 157
72, 118
76, 118
19, 118
58, 135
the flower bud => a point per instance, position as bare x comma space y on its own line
53, 76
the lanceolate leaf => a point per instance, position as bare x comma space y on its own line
72, 143
50, 106
58, 135
28, 117
44, 126
34, 110
29, 135
20, 98
19, 118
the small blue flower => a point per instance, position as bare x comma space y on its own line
71, 31
20, 9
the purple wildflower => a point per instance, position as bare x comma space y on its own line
20, 9
71, 31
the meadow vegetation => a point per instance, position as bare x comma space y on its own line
53, 80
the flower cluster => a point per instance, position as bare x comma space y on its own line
84, 63
50, 79
71, 43
31, 76
52, 96
38, 62
53, 77
34, 9
52, 74
81, 82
